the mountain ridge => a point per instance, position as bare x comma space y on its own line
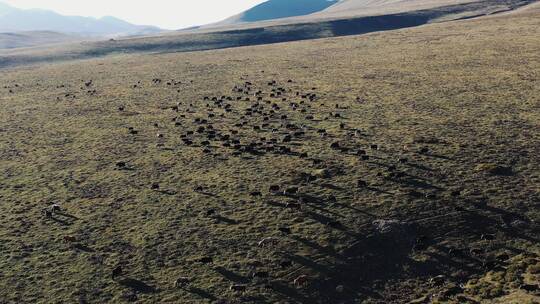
277, 9
25, 20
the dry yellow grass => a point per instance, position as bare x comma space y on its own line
466, 91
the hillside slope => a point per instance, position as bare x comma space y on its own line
343, 9
36, 38
357, 7
256, 33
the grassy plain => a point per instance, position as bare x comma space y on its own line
445, 209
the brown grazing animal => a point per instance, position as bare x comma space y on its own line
70, 239
301, 280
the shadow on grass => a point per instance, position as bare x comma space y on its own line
62, 222
375, 257
136, 285
83, 248
202, 293
222, 219
231, 276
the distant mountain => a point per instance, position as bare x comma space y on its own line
275, 9
4, 9
19, 20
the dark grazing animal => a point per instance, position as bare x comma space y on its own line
206, 260
261, 274
117, 272
238, 288
301, 280
285, 230
47, 213
181, 282
56, 208
274, 188
290, 191
285, 264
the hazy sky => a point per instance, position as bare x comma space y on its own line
168, 14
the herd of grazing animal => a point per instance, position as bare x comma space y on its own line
255, 121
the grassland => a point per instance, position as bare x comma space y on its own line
315, 26
444, 209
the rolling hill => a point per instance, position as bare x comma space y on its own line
352, 8
357, 7
265, 32
34, 38
274, 12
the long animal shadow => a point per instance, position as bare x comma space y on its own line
376, 257
202, 293
136, 285
231, 276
